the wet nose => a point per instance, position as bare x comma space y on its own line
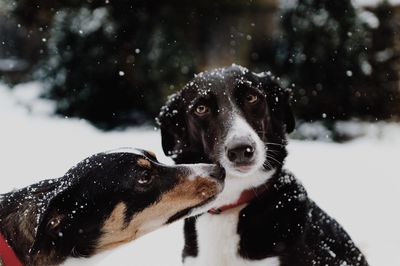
218, 172
240, 153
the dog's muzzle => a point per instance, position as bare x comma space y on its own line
241, 151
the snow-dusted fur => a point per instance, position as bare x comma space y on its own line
214, 115
107, 200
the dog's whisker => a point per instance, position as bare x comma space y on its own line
275, 160
273, 143
274, 152
267, 164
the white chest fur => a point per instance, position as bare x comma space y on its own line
218, 242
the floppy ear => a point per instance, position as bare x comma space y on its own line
279, 102
54, 223
172, 123
52, 227
48, 231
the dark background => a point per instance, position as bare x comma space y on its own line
115, 62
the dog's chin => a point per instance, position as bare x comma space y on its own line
200, 208
241, 170
203, 207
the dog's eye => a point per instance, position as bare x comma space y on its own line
202, 110
251, 98
144, 180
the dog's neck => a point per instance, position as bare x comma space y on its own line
245, 197
20, 213
236, 185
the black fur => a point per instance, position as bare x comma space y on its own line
54, 219
282, 221
190, 249
191, 140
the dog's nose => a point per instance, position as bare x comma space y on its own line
218, 172
241, 153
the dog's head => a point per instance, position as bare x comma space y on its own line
231, 116
112, 198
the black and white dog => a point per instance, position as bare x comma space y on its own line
263, 216
105, 201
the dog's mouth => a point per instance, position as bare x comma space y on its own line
241, 168
192, 210
199, 193
244, 167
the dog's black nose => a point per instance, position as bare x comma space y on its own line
218, 172
241, 153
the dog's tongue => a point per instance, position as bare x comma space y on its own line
244, 168
245, 197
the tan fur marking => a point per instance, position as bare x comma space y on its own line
152, 153
186, 194
144, 163
113, 232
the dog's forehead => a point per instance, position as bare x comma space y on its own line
135, 152
221, 75
220, 81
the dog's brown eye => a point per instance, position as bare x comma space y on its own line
202, 110
251, 98
144, 180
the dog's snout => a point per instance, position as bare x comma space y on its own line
240, 153
218, 172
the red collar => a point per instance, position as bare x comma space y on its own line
7, 255
245, 197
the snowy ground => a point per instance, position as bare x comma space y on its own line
358, 183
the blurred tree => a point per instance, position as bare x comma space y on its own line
114, 62
378, 95
322, 50
111, 64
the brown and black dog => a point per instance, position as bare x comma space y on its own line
105, 201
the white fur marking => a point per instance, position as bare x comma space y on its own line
217, 238
235, 185
236, 182
241, 129
198, 170
218, 242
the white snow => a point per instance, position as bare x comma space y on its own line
11, 64
358, 183
369, 18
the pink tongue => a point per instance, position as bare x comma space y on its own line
243, 168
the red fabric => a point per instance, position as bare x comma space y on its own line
245, 197
7, 255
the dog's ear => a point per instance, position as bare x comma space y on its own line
279, 100
284, 98
172, 123
52, 226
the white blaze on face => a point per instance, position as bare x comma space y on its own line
236, 180
240, 129
198, 170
